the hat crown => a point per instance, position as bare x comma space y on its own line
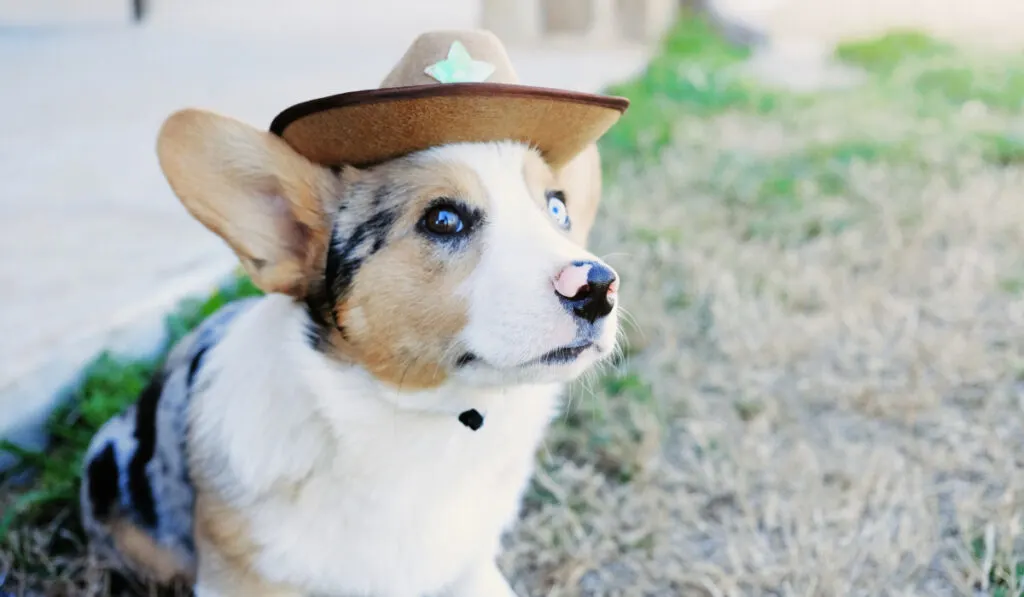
440, 57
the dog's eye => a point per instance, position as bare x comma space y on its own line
557, 208
443, 220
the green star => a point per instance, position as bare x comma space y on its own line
459, 67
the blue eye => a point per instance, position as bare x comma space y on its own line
557, 209
443, 221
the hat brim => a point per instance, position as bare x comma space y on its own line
363, 128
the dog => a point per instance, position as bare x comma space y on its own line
368, 426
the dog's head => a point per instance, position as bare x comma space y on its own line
461, 263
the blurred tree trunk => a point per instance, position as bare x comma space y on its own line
139, 10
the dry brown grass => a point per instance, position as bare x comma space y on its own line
833, 413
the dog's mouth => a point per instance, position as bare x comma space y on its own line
559, 356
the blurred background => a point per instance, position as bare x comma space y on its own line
817, 208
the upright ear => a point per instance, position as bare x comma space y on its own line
249, 187
580, 180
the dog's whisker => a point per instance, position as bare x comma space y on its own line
607, 256
405, 373
590, 380
630, 319
448, 354
620, 344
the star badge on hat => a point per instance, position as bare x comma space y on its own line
459, 67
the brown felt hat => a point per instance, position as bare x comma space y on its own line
449, 87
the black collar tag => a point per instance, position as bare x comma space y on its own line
472, 419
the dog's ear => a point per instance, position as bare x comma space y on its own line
249, 187
580, 179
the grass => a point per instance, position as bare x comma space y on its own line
1001, 576
829, 395
885, 53
692, 75
1004, 149
109, 386
824, 396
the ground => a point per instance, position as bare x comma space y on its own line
822, 391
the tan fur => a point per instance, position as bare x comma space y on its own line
406, 351
273, 208
580, 179
230, 552
219, 525
539, 178
409, 351
144, 555
252, 190
223, 534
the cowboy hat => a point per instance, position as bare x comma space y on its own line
449, 87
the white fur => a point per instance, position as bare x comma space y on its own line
396, 502
514, 315
395, 497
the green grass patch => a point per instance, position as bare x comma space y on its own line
689, 77
695, 38
997, 86
937, 76
109, 386
1002, 149
781, 196
883, 54
1014, 285
627, 383
606, 424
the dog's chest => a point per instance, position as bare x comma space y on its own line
406, 504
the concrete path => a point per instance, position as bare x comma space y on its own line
96, 248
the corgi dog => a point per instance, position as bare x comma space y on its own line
369, 425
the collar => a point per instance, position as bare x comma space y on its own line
472, 419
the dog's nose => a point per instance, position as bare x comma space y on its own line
589, 288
